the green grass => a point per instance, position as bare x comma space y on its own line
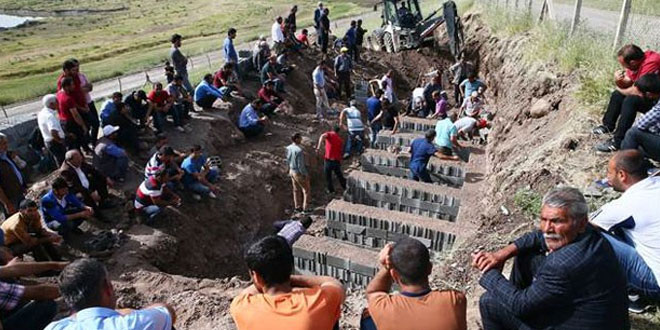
646, 7
529, 202
506, 22
130, 40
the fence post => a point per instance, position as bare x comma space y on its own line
529, 8
517, 4
576, 16
623, 22
119, 81
544, 10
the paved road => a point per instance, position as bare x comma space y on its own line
21, 111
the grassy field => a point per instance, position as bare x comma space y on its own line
646, 7
120, 42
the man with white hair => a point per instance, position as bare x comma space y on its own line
565, 274
51, 129
85, 180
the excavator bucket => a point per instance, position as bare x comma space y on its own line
454, 27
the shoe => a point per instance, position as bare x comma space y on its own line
212, 195
181, 129
346, 156
197, 197
307, 211
607, 146
298, 209
637, 304
600, 130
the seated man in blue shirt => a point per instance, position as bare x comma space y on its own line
86, 288
63, 211
471, 84
447, 137
206, 93
109, 109
421, 151
199, 177
249, 122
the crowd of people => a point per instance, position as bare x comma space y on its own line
576, 271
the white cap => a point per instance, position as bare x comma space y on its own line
474, 94
109, 129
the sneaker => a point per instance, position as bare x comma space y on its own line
600, 130
197, 197
637, 304
346, 156
298, 209
181, 129
607, 146
212, 195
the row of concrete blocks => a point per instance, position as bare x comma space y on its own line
318, 263
375, 233
393, 197
385, 140
397, 165
416, 125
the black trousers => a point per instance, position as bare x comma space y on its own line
41, 252
333, 166
58, 150
457, 95
92, 120
621, 113
323, 40
344, 80
79, 138
496, 316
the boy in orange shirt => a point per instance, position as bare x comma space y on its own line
278, 300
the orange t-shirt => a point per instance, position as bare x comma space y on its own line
315, 308
438, 310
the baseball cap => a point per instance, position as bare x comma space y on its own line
344, 50
109, 129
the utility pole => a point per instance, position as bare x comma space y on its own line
623, 22
576, 16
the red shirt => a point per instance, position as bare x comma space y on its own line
158, 98
650, 64
266, 95
219, 77
77, 92
302, 38
333, 146
66, 102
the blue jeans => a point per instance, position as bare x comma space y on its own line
34, 315
420, 175
367, 324
198, 187
186, 82
151, 212
639, 275
375, 128
353, 136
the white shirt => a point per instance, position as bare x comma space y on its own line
465, 124
81, 176
636, 211
276, 32
354, 119
418, 92
47, 121
389, 90
318, 76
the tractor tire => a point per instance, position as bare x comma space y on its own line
389, 43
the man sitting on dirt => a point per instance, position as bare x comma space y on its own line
645, 134
181, 102
224, 78
291, 230
435, 85
165, 159
206, 94
270, 98
626, 100
199, 177
319, 81
408, 264
51, 129
353, 118
154, 194
115, 113
633, 225
261, 53
270, 71
447, 137
249, 122
27, 306
274, 299
86, 181
441, 105
343, 67
139, 108
421, 151
471, 105
565, 275
332, 157
88, 291
471, 84
303, 38
109, 109
23, 233
63, 211
110, 159
160, 105
295, 157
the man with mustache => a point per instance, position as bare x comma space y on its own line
565, 275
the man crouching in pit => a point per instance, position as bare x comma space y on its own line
565, 274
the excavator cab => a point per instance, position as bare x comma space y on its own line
402, 13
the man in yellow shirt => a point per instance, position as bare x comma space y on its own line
278, 300
416, 307
25, 233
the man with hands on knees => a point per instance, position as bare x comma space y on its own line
565, 274
416, 307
